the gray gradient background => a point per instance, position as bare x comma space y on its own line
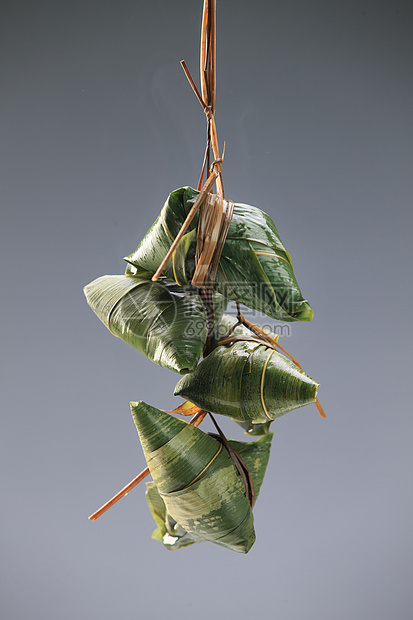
98, 126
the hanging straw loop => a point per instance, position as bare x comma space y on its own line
208, 82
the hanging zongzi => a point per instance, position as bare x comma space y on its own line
255, 268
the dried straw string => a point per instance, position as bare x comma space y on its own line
239, 463
215, 213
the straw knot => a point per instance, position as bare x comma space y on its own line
216, 165
208, 112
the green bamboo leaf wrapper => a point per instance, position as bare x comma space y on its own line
163, 321
255, 268
248, 382
173, 535
168, 531
197, 479
221, 329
